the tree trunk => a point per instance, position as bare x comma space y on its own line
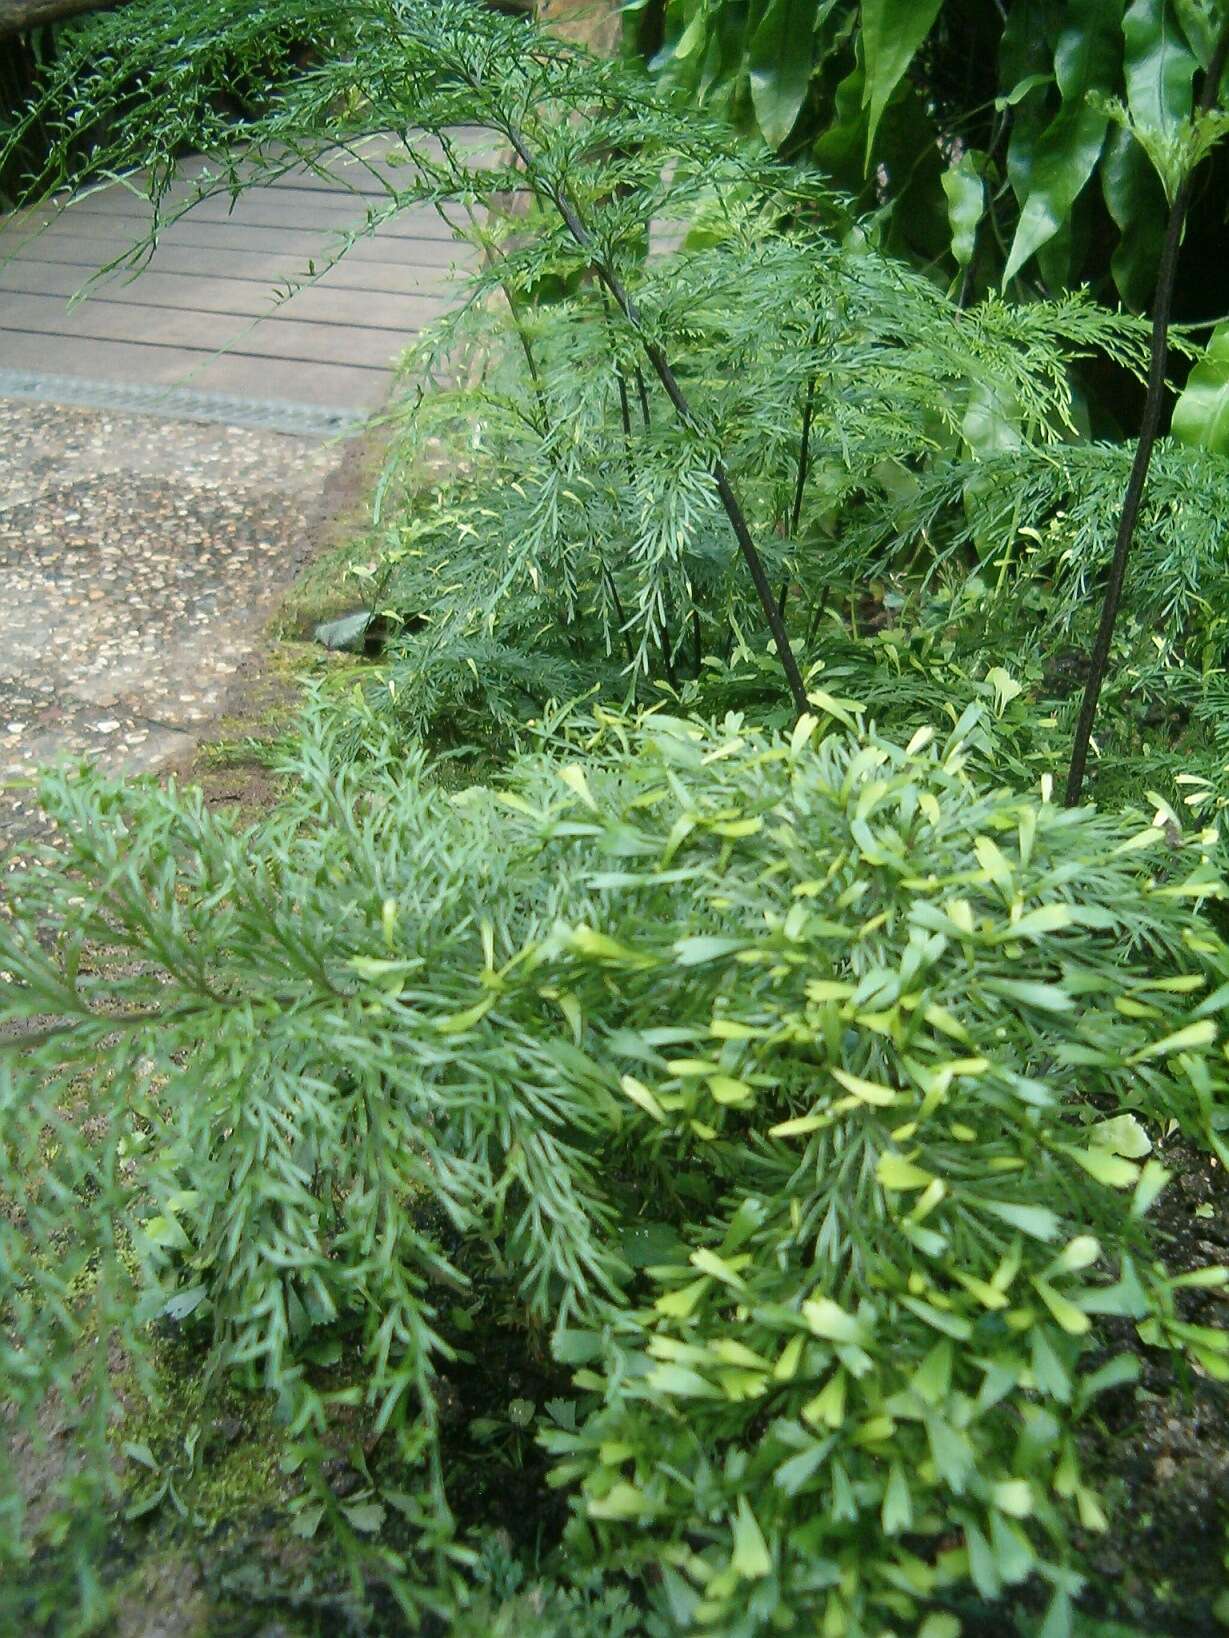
592, 23
16, 15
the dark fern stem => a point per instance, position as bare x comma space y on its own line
667, 654
804, 463
642, 390
816, 615
625, 417
1149, 427
625, 411
625, 408
804, 457
620, 614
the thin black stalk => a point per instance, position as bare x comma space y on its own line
816, 612
674, 392
1153, 402
625, 416
804, 456
642, 390
966, 278
667, 654
804, 462
619, 613
696, 641
625, 410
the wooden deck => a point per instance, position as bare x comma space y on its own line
201, 314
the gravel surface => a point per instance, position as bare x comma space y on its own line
139, 560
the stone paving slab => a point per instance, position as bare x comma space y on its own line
321, 421
292, 382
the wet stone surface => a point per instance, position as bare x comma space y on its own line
139, 561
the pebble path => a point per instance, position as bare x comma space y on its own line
140, 559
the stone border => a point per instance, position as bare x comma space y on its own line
184, 404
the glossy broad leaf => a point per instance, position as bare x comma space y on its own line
1200, 20
966, 194
1159, 66
694, 33
892, 31
780, 59
838, 150
1058, 161
1136, 201
1201, 415
1026, 64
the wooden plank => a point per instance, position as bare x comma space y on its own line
271, 271
92, 255
340, 175
281, 380
385, 153
344, 172
218, 237
212, 283
203, 332
242, 298
280, 202
281, 208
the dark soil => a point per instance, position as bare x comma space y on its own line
1160, 1450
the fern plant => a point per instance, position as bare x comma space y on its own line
1047, 515
585, 509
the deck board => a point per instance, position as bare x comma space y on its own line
204, 311
240, 297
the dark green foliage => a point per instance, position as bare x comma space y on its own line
1012, 145
1026, 516
573, 537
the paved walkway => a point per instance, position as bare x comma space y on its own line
141, 551
140, 560
198, 318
